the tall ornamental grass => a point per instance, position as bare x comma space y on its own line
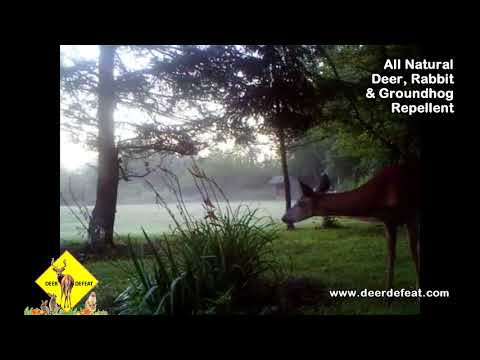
204, 263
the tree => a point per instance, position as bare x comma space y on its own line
266, 88
87, 86
354, 135
233, 90
103, 215
354, 64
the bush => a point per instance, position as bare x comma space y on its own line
330, 222
201, 267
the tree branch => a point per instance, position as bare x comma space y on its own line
367, 126
302, 144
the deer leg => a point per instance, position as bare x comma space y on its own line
391, 235
414, 247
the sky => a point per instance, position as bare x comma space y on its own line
75, 155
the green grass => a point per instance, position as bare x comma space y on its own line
351, 257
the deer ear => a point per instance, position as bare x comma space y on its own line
324, 183
306, 190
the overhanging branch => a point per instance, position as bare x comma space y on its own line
353, 104
306, 143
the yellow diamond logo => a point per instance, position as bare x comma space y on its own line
67, 281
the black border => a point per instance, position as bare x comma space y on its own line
40, 120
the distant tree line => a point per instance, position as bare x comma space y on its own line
239, 173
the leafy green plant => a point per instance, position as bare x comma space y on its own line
204, 263
330, 222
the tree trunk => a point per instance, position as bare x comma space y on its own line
286, 178
103, 215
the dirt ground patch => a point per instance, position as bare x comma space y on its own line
283, 297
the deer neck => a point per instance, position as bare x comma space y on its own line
351, 203
60, 278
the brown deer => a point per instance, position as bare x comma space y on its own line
392, 197
66, 283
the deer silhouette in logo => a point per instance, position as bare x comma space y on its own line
66, 283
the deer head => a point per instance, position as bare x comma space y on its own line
307, 205
59, 270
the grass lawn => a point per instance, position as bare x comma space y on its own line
130, 218
350, 257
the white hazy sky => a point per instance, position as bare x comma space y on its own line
74, 155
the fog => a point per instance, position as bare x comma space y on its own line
240, 178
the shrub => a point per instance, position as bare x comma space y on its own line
204, 263
330, 222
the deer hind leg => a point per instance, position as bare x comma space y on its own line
67, 298
391, 235
414, 246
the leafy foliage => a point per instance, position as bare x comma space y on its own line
330, 222
205, 262
268, 84
370, 120
135, 89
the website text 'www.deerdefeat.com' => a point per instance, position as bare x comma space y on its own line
365, 293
